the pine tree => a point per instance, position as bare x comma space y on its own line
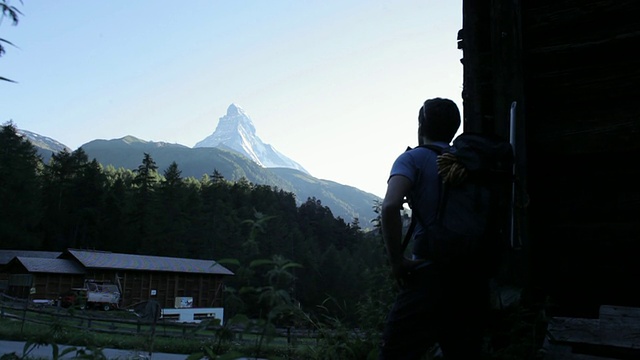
143, 215
73, 196
20, 188
172, 222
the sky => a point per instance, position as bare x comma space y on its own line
334, 85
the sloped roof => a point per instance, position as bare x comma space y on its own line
109, 260
7, 255
52, 266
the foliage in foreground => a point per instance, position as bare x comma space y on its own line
516, 335
265, 295
516, 332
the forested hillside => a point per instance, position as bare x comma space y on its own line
72, 202
345, 201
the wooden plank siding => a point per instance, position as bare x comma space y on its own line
51, 286
47, 286
584, 129
135, 275
571, 66
206, 290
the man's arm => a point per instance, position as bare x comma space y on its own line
397, 188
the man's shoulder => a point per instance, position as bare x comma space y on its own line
415, 158
434, 146
425, 151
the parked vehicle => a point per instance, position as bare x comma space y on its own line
94, 295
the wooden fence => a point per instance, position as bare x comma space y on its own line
113, 322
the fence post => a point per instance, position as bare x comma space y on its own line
24, 315
156, 312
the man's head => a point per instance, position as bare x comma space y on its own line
439, 120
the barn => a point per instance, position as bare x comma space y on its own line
564, 73
139, 278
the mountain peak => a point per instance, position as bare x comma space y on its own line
235, 131
236, 120
235, 110
130, 139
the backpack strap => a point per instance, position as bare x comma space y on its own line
415, 217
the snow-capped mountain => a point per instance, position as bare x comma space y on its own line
44, 144
236, 131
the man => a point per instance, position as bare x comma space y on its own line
437, 303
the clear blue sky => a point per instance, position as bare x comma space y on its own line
334, 85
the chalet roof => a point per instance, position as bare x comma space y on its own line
109, 260
52, 266
7, 255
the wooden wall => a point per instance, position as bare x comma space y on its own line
51, 286
205, 289
47, 286
571, 66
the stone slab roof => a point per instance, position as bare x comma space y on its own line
7, 255
52, 266
116, 261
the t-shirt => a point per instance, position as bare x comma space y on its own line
420, 167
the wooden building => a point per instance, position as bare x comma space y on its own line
7, 255
139, 277
567, 70
42, 278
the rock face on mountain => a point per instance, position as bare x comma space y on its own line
236, 132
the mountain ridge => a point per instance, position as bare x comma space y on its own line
345, 201
233, 150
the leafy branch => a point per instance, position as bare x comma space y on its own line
12, 13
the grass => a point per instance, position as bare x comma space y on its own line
13, 330
277, 348
65, 332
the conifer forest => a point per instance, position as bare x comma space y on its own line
75, 202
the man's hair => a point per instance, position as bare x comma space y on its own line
439, 119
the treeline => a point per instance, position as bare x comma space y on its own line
73, 202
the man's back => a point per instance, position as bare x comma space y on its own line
420, 167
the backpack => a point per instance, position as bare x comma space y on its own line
472, 221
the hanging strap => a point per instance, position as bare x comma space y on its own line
415, 218
407, 236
